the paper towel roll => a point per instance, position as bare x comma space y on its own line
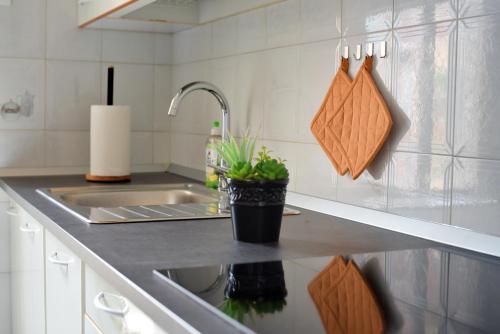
109, 141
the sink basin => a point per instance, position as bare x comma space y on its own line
141, 203
136, 203
114, 198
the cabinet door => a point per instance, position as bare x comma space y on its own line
63, 288
27, 273
90, 327
113, 313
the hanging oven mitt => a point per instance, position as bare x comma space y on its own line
352, 303
318, 287
361, 123
336, 93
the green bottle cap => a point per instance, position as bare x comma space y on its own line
216, 124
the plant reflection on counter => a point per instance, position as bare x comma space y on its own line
254, 288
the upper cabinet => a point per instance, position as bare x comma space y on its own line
159, 15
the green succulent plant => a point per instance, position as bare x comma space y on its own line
239, 156
268, 168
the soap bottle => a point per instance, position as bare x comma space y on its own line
212, 157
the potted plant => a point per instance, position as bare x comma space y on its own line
256, 189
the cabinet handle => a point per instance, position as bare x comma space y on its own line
98, 303
54, 258
12, 211
27, 229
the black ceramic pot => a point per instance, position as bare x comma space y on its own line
257, 209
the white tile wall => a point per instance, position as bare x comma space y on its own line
22, 29
64, 39
42, 51
19, 76
439, 78
134, 86
67, 148
72, 86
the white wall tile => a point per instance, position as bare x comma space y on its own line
315, 174
318, 62
423, 88
320, 19
468, 8
161, 148
64, 39
22, 148
128, 47
67, 148
414, 12
420, 186
250, 93
141, 148
478, 79
475, 195
163, 49
22, 29
188, 150
134, 86
72, 87
281, 93
19, 76
4, 240
360, 16
5, 305
252, 31
162, 96
193, 44
226, 34
370, 189
282, 23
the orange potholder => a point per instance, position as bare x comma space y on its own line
338, 88
318, 287
352, 303
361, 123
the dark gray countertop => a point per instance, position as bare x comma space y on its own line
127, 254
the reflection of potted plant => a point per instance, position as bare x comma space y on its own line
256, 191
254, 288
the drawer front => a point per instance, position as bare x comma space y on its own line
111, 312
27, 273
63, 288
90, 327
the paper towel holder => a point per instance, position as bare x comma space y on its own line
109, 179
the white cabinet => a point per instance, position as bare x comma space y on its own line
27, 273
63, 288
159, 15
111, 312
90, 327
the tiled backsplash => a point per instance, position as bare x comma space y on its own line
43, 51
440, 79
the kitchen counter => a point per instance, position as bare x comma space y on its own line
126, 254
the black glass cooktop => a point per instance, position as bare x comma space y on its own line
430, 290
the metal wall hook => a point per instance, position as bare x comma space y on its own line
346, 52
357, 55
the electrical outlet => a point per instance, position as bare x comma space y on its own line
5, 2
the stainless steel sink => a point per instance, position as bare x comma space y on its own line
141, 203
135, 203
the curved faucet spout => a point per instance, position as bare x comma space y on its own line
211, 88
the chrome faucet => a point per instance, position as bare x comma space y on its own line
224, 106
212, 89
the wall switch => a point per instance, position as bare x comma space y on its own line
5, 2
